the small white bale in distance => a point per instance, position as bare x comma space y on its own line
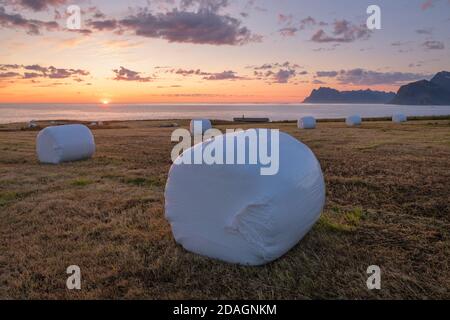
200, 126
59, 144
307, 123
32, 124
354, 120
233, 213
399, 118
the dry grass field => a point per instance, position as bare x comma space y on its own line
388, 192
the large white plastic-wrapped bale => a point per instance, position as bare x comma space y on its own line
307, 123
233, 213
200, 126
354, 120
65, 143
399, 118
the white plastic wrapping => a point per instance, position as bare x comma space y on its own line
235, 214
307, 123
354, 120
65, 143
399, 118
200, 126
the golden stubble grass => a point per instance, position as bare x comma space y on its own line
387, 204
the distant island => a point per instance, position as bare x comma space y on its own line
424, 92
329, 95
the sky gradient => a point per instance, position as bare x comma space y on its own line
215, 51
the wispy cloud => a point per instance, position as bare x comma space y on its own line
31, 26
343, 31
278, 72
124, 74
433, 45
368, 77
35, 5
38, 71
225, 75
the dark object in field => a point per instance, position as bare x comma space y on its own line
170, 125
251, 120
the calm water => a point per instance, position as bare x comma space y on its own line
92, 112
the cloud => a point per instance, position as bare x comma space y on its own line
283, 75
427, 5
368, 77
277, 72
288, 31
4, 67
36, 67
204, 5
32, 26
267, 66
206, 25
343, 31
399, 43
433, 45
317, 81
9, 74
427, 31
59, 73
291, 28
103, 24
31, 75
36, 5
326, 74
202, 27
286, 19
124, 74
190, 72
225, 75
38, 71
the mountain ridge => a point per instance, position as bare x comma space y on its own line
424, 92
330, 95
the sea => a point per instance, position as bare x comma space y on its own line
11, 113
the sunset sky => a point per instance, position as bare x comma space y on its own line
214, 51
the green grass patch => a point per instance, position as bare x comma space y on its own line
81, 182
6, 197
325, 223
145, 182
341, 221
354, 217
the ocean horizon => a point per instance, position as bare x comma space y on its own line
12, 113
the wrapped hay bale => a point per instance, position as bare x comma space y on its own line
354, 120
200, 126
399, 118
32, 124
65, 143
235, 214
307, 123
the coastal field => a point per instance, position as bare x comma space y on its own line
388, 192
